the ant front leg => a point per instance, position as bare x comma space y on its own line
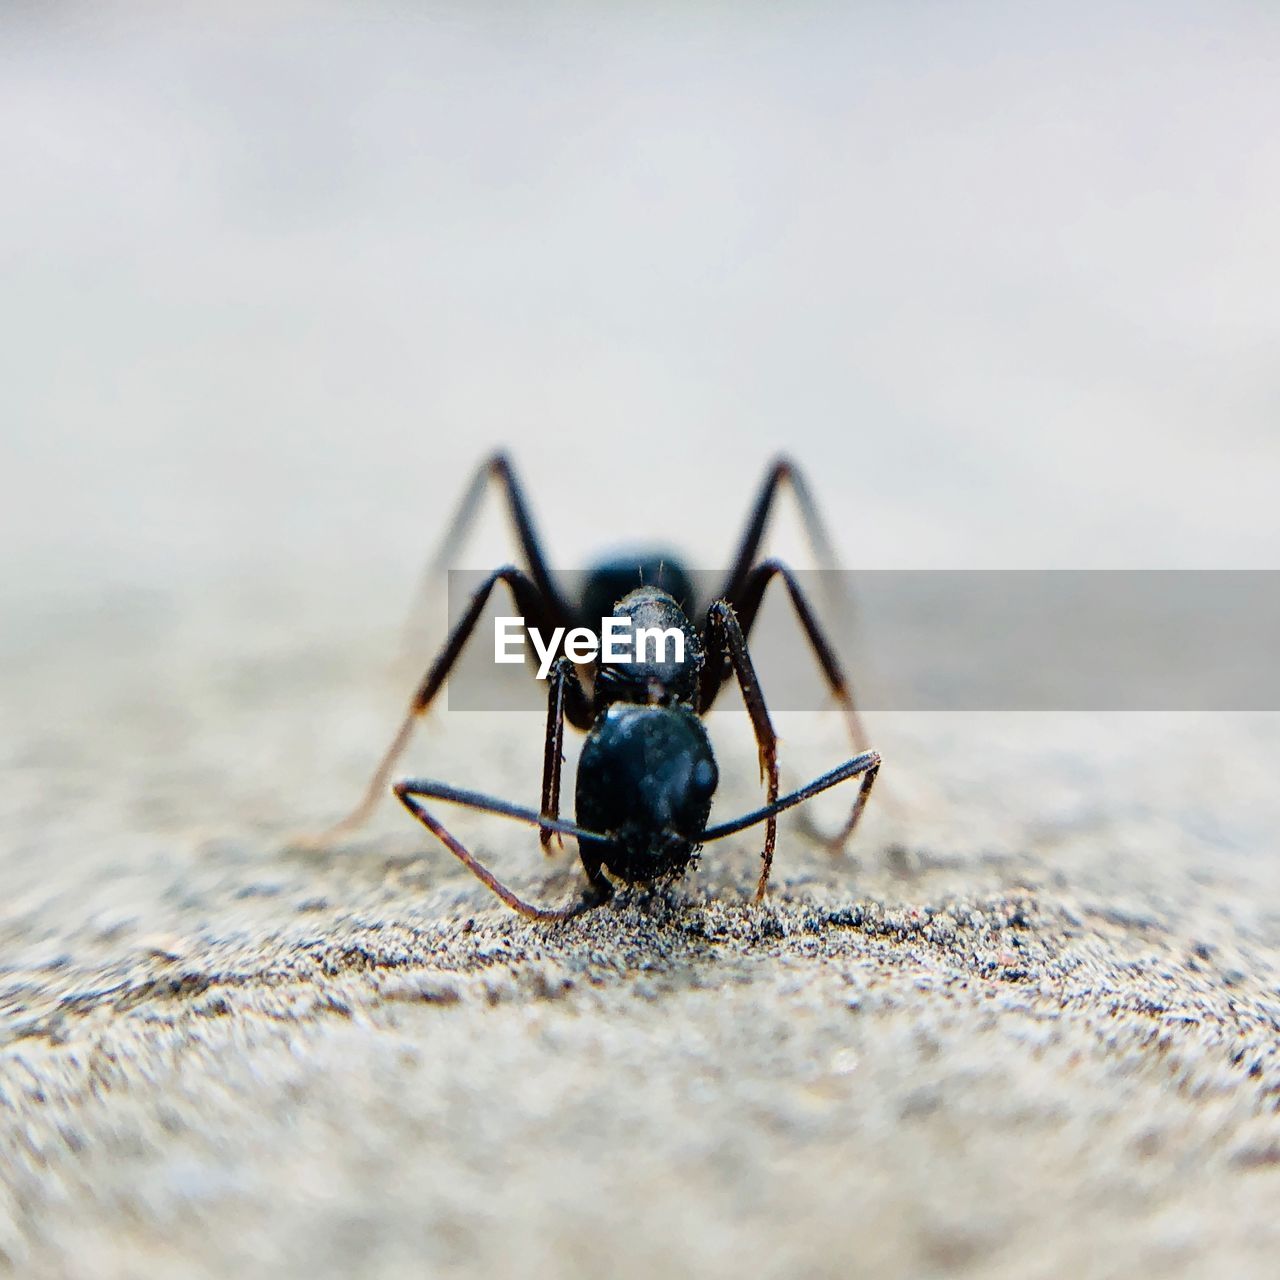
564, 696
725, 637
529, 602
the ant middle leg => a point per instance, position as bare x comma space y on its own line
529, 602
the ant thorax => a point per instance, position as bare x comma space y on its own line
649, 676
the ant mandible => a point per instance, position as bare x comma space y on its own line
647, 774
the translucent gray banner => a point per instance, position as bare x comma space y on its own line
959, 640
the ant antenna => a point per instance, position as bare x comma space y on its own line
411, 788
867, 764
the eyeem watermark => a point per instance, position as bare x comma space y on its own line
937, 640
618, 641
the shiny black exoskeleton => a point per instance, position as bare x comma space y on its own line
609, 581
646, 776
647, 773
644, 678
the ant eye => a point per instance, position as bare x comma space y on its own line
704, 775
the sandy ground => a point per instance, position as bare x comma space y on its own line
1029, 1026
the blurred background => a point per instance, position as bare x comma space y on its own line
276, 275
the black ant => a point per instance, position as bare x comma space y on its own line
647, 773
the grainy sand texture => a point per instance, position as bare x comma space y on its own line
1029, 1026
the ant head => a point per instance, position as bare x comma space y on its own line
646, 776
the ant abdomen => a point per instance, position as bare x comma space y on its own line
609, 580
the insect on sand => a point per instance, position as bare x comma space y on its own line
647, 773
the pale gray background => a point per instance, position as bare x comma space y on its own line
275, 277
1007, 278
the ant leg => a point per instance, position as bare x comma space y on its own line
724, 634
497, 467
563, 688
748, 606
411, 791
529, 603
783, 469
